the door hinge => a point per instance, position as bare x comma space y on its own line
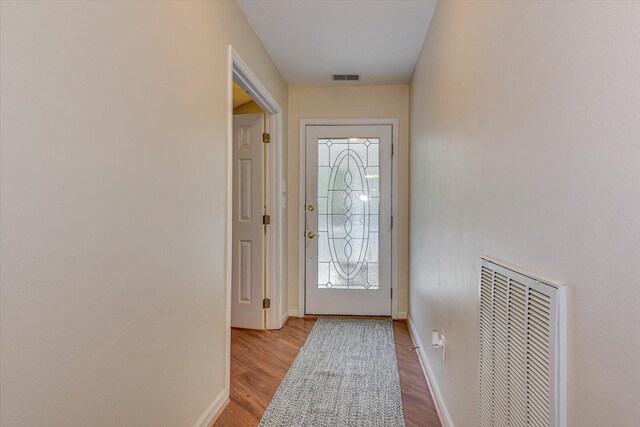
392, 149
266, 303
266, 138
391, 221
266, 219
391, 293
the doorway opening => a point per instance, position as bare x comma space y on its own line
255, 289
250, 216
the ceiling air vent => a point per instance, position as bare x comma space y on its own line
345, 77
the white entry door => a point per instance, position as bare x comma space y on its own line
348, 220
247, 289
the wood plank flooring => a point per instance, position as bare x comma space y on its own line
419, 409
260, 360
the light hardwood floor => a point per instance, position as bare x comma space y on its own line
260, 360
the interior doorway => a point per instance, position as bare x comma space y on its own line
248, 276
254, 203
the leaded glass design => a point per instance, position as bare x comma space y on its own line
348, 210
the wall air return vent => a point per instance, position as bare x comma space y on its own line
522, 348
345, 77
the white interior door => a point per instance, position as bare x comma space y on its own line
348, 220
247, 290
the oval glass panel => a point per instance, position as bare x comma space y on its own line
348, 208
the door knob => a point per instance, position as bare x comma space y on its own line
311, 234
310, 208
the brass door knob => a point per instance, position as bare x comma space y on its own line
310, 208
311, 234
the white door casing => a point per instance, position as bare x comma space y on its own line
348, 219
247, 290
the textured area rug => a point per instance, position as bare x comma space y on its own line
346, 374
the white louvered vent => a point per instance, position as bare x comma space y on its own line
522, 348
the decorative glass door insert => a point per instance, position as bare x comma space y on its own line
348, 219
348, 211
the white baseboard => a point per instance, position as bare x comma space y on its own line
283, 319
402, 315
293, 312
214, 410
441, 407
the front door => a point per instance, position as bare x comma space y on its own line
348, 220
247, 277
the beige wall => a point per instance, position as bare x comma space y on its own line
114, 129
248, 108
525, 145
347, 102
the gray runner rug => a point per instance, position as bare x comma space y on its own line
346, 374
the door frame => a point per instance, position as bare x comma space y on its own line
394, 123
240, 72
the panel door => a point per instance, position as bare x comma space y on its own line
247, 290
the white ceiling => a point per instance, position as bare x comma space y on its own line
311, 39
